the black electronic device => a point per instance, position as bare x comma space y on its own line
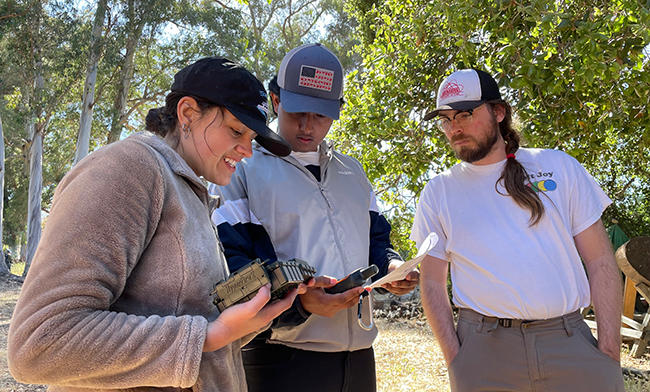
355, 279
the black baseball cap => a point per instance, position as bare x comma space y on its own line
464, 90
228, 84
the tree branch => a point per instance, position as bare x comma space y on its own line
21, 14
226, 6
624, 188
141, 101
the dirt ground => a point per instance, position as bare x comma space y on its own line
9, 292
407, 355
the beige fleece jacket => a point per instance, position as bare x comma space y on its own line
117, 296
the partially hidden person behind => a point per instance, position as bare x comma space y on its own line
118, 294
513, 225
7, 257
316, 205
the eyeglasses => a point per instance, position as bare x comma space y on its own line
463, 118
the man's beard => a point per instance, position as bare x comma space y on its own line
483, 146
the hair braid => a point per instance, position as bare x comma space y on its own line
514, 177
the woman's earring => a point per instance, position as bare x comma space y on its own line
186, 131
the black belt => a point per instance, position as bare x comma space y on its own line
511, 323
505, 323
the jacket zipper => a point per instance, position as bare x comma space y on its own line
340, 248
350, 312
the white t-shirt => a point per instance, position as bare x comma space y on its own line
499, 265
307, 158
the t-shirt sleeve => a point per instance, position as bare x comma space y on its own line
427, 221
587, 199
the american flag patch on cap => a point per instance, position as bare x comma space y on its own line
318, 78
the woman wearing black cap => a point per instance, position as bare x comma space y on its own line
118, 294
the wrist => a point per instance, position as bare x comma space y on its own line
304, 313
450, 352
214, 337
613, 351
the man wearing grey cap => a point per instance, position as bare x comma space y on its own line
513, 225
316, 205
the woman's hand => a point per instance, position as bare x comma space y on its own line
251, 316
243, 319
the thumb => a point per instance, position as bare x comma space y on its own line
259, 300
322, 281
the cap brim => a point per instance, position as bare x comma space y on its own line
299, 103
462, 105
265, 135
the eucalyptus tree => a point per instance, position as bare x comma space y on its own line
39, 58
154, 40
35, 128
274, 27
3, 267
137, 14
88, 102
575, 71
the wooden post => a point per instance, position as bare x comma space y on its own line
639, 346
629, 298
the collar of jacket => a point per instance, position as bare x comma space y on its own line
326, 150
179, 167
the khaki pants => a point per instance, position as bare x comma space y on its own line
557, 355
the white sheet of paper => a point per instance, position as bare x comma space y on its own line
404, 269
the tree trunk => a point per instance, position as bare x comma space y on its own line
35, 192
136, 25
36, 151
3, 267
83, 139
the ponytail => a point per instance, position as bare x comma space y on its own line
514, 177
164, 120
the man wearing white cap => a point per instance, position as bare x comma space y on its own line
513, 225
316, 205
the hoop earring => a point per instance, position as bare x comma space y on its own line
186, 131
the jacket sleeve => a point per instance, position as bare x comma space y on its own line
104, 213
381, 250
245, 239
242, 235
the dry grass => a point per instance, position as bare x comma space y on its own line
408, 358
9, 292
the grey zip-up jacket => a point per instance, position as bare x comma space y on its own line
118, 294
276, 209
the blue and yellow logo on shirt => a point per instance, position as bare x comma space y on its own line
544, 185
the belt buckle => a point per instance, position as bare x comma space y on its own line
505, 323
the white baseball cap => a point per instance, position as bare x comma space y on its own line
464, 90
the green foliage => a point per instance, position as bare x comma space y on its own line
574, 71
272, 28
54, 34
172, 33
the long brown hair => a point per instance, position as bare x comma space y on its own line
514, 177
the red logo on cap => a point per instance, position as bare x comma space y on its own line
451, 89
316, 78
